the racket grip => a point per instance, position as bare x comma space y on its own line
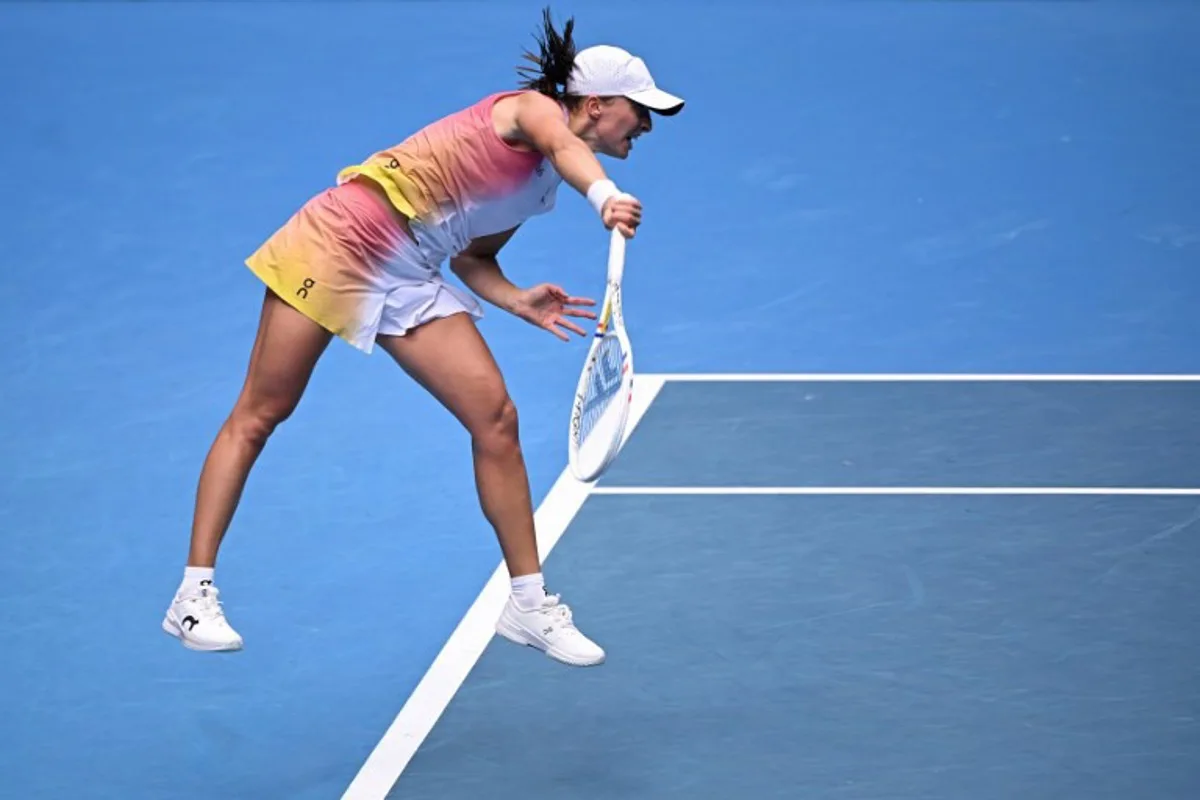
616, 255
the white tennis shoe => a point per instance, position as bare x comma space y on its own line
195, 618
550, 629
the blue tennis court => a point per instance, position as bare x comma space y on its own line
911, 503
882, 588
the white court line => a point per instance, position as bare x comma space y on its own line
894, 490
466, 644
882, 377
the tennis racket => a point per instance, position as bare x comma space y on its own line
605, 390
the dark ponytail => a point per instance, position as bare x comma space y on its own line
554, 61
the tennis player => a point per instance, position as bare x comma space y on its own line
362, 261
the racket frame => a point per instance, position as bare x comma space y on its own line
611, 323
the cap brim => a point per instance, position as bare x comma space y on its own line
664, 103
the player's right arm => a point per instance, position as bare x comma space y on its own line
540, 122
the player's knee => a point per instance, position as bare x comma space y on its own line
497, 431
255, 422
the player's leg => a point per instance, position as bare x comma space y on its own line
321, 269
449, 358
285, 352
286, 349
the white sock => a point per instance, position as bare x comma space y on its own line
528, 591
193, 577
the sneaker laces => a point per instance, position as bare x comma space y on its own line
207, 601
559, 612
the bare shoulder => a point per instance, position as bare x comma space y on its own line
520, 118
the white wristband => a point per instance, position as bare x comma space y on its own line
599, 193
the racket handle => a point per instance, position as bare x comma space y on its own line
616, 255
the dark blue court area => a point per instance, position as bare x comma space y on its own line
1007, 433
865, 646
816, 589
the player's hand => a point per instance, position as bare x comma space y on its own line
623, 212
548, 306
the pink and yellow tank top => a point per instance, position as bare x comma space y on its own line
456, 180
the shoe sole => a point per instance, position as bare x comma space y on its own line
515, 635
173, 630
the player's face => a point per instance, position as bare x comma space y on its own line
621, 121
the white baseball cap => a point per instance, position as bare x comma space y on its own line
608, 71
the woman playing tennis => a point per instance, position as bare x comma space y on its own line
362, 261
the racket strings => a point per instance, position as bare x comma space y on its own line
604, 385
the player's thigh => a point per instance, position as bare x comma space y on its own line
286, 350
450, 359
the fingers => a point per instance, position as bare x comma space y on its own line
561, 295
630, 210
552, 327
571, 326
579, 312
623, 213
555, 322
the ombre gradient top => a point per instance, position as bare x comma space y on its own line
456, 180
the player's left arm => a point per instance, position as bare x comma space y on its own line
545, 305
478, 267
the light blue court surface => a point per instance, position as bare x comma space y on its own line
807, 588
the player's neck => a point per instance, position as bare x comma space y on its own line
583, 127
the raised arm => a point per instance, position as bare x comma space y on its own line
539, 121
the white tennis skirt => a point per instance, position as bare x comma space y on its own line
345, 261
